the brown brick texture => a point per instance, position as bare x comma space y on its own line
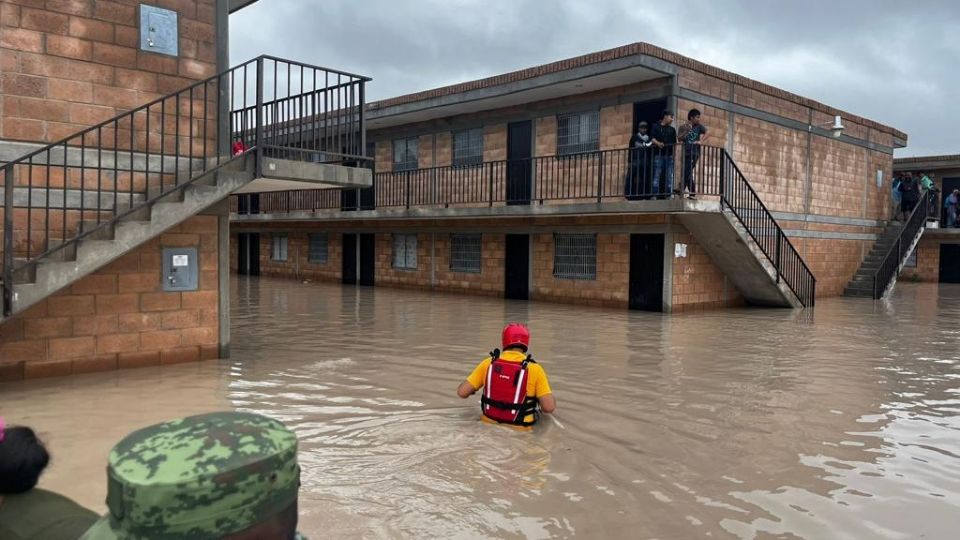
118, 316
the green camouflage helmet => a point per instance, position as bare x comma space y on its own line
203, 476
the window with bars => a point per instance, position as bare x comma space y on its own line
575, 256
578, 133
279, 247
405, 251
317, 253
466, 252
405, 154
468, 147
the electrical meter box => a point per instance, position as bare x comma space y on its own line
180, 269
158, 30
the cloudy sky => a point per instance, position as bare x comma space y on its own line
892, 61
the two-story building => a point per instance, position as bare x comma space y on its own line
522, 185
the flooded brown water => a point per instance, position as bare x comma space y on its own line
843, 422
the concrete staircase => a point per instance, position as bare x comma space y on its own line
44, 276
861, 285
738, 256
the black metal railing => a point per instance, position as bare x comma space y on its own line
68, 190
593, 177
894, 259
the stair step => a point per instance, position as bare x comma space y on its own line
101, 231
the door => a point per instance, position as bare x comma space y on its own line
248, 254
367, 259
949, 184
248, 204
646, 272
517, 267
638, 182
519, 164
349, 259
949, 263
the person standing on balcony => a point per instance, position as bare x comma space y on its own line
692, 134
896, 196
950, 203
909, 193
665, 140
638, 170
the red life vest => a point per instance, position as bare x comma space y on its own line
504, 396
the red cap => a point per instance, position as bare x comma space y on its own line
515, 334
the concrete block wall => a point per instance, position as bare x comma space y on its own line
68, 65
298, 262
928, 263
119, 317
697, 283
610, 288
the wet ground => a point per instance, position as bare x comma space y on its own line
840, 422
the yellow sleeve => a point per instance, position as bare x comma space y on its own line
476, 379
542, 384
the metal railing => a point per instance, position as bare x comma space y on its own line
66, 191
593, 177
894, 259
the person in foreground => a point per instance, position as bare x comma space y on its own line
515, 387
218, 476
26, 511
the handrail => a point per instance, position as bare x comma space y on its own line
92, 179
595, 176
898, 253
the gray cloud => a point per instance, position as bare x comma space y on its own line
893, 62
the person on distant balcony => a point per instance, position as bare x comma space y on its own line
26, 511
950, 203
665, 140
638, 170
515, 387
895, 196
909, 193
692, 134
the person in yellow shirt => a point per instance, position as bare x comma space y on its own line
515, 387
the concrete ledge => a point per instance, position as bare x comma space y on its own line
313, 175
626, 207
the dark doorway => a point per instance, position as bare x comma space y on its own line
519, 162
638, 180
368, 257
949, 184
949, 263
646, 272
248, 254
517, 263
349, 272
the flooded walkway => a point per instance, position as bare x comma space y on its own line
837, 423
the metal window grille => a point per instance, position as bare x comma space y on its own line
575, 256
468, 147
317, 253
578, 133
405, 154
279, 247
405, 251
466, 252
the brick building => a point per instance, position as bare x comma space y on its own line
532, 167
116, 121
937, 257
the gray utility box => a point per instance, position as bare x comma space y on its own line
180, 269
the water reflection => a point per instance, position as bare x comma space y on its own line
834, 423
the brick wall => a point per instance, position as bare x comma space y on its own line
386, 274
697, 283
610, 288
70, 64
489, 281
298, 262
118, 317
928, 263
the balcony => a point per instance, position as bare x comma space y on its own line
617, 181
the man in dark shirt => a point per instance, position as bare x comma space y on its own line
664, 140
909, 195
692, 135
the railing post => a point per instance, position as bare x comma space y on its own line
600, 180
8, 239
363, 122
777, 262
407, 187
723, 170
258, 137
490, 174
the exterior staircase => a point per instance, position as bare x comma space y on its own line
879, 270
71, 207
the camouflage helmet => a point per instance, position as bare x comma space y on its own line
203, 476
